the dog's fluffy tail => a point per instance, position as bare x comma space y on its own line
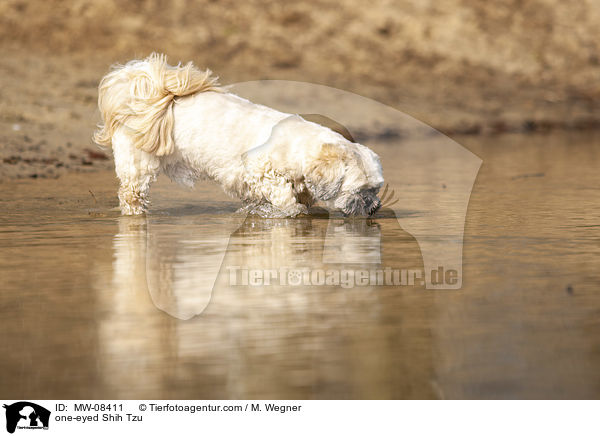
140, 95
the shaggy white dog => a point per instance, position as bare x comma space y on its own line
178, 120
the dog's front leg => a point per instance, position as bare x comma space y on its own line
280, 193
273, 197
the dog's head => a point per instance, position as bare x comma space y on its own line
347, 177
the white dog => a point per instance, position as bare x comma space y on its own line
178, 120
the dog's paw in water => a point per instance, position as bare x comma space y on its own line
267, 210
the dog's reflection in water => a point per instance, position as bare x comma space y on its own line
309, 242
189, 259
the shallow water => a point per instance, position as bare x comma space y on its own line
95, 305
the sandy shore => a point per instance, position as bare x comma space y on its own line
463, 67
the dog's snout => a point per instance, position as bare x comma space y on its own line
361, 204
375, 206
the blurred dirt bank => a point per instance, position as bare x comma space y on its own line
462, 66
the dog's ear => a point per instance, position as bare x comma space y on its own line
330, 124
325, 174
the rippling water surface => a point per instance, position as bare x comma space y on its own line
95, 305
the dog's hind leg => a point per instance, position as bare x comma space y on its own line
136, 170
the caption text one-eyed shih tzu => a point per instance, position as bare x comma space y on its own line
177, 119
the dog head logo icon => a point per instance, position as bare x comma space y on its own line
26, 415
